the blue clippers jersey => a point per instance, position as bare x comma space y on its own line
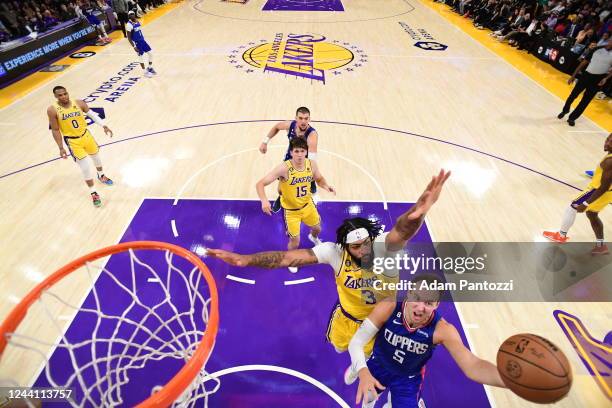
291, 133
401, 351
137, 35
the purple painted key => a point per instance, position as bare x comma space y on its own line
269, 325
304, 5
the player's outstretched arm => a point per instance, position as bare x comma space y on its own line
475, 368
94, 116
263, 147
409, 223
368, 385
313, 141
269, 260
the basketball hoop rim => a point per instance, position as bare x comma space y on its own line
176, 386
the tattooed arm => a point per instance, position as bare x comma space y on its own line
269, 260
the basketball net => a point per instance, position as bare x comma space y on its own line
167, 316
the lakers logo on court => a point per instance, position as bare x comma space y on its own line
310, 56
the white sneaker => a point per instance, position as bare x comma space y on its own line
293, 269
313, 239
350, 376
148, 74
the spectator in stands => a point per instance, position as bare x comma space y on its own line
583, 38
518, 21
121, 8
21, 18
484, 13
605, 12
523, 37
574, 27
4, 33
606, 26
48, 20
551, 21
540, 6
559, 8
66, 13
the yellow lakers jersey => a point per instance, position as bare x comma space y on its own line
71, 120
295, 190
357, 291
596, 181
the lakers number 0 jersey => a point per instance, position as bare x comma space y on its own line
71, 120
295, 190
596, 181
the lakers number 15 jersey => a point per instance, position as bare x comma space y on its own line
71, 120
295, 190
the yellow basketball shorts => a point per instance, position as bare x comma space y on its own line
308, 215
341, 329
595, 206
81, 147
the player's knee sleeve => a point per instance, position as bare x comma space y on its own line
85, 169
96, 159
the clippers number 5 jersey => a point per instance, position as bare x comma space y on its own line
401, 350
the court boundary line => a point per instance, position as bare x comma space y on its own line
430, 138
241, 280
198, 2
443, 18
298, 281
562, 316
257, 199
278, 369
227, 156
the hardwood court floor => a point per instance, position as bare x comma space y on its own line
389, 115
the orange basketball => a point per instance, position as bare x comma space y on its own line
534, 368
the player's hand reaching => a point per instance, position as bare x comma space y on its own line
108, 132
263, 148
266, 207
430, 195
331, 189
227, 257
368, 386
63, 153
